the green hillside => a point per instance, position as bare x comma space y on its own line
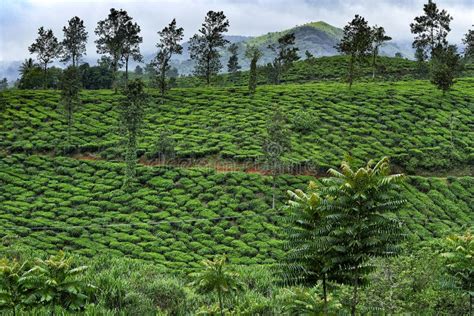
64, 203
333, 68
412, 122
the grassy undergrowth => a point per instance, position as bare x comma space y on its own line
411, 122
63, 203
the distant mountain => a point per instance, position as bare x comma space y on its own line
319, 38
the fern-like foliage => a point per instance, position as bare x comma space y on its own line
335, 229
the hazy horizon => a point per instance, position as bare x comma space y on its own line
19, 20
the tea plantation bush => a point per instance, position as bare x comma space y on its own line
411, 122
63, 203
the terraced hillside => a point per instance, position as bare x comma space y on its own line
179, 216
412, 122
320, 69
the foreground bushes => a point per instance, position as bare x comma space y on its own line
417, 282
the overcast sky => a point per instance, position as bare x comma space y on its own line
20, 19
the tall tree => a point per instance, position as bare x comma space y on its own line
445, 66
204, 46
47, 48
112, 37
356, 43
378, 39
285, 54
309, 256
468, 40
254, 54
131, 47
131, 116
169, 45
431, 29
70, 86
138, 70
74, 42
276, 142
233, 66
362, 206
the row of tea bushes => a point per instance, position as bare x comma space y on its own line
316, 69
409, 121
176, 216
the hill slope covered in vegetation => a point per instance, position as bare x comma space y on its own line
411, 122
178, 216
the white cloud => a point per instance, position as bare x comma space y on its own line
19, 20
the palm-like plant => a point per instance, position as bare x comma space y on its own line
55, 282
309, 255
12, 293
216, 278
306, 302
335, 229
361, 208
26, 66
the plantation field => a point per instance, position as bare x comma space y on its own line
318, 69
411, 122
64, 203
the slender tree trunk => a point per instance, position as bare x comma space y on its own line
163, 80
44, 75
273, 191
354, 297
351, 71
373, 64
69, 123
126, 71
325, 296
208, 72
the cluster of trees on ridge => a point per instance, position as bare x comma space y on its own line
118, 40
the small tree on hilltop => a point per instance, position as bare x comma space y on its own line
138, 70
131, 47
431, 29
254, 54
112, 37
356, 43
74, 42
233, 66
378, 39
286, 53
170, 38
445, 66
131, 113
47, 48
275, 144
468, 40
204, 46
70, 86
